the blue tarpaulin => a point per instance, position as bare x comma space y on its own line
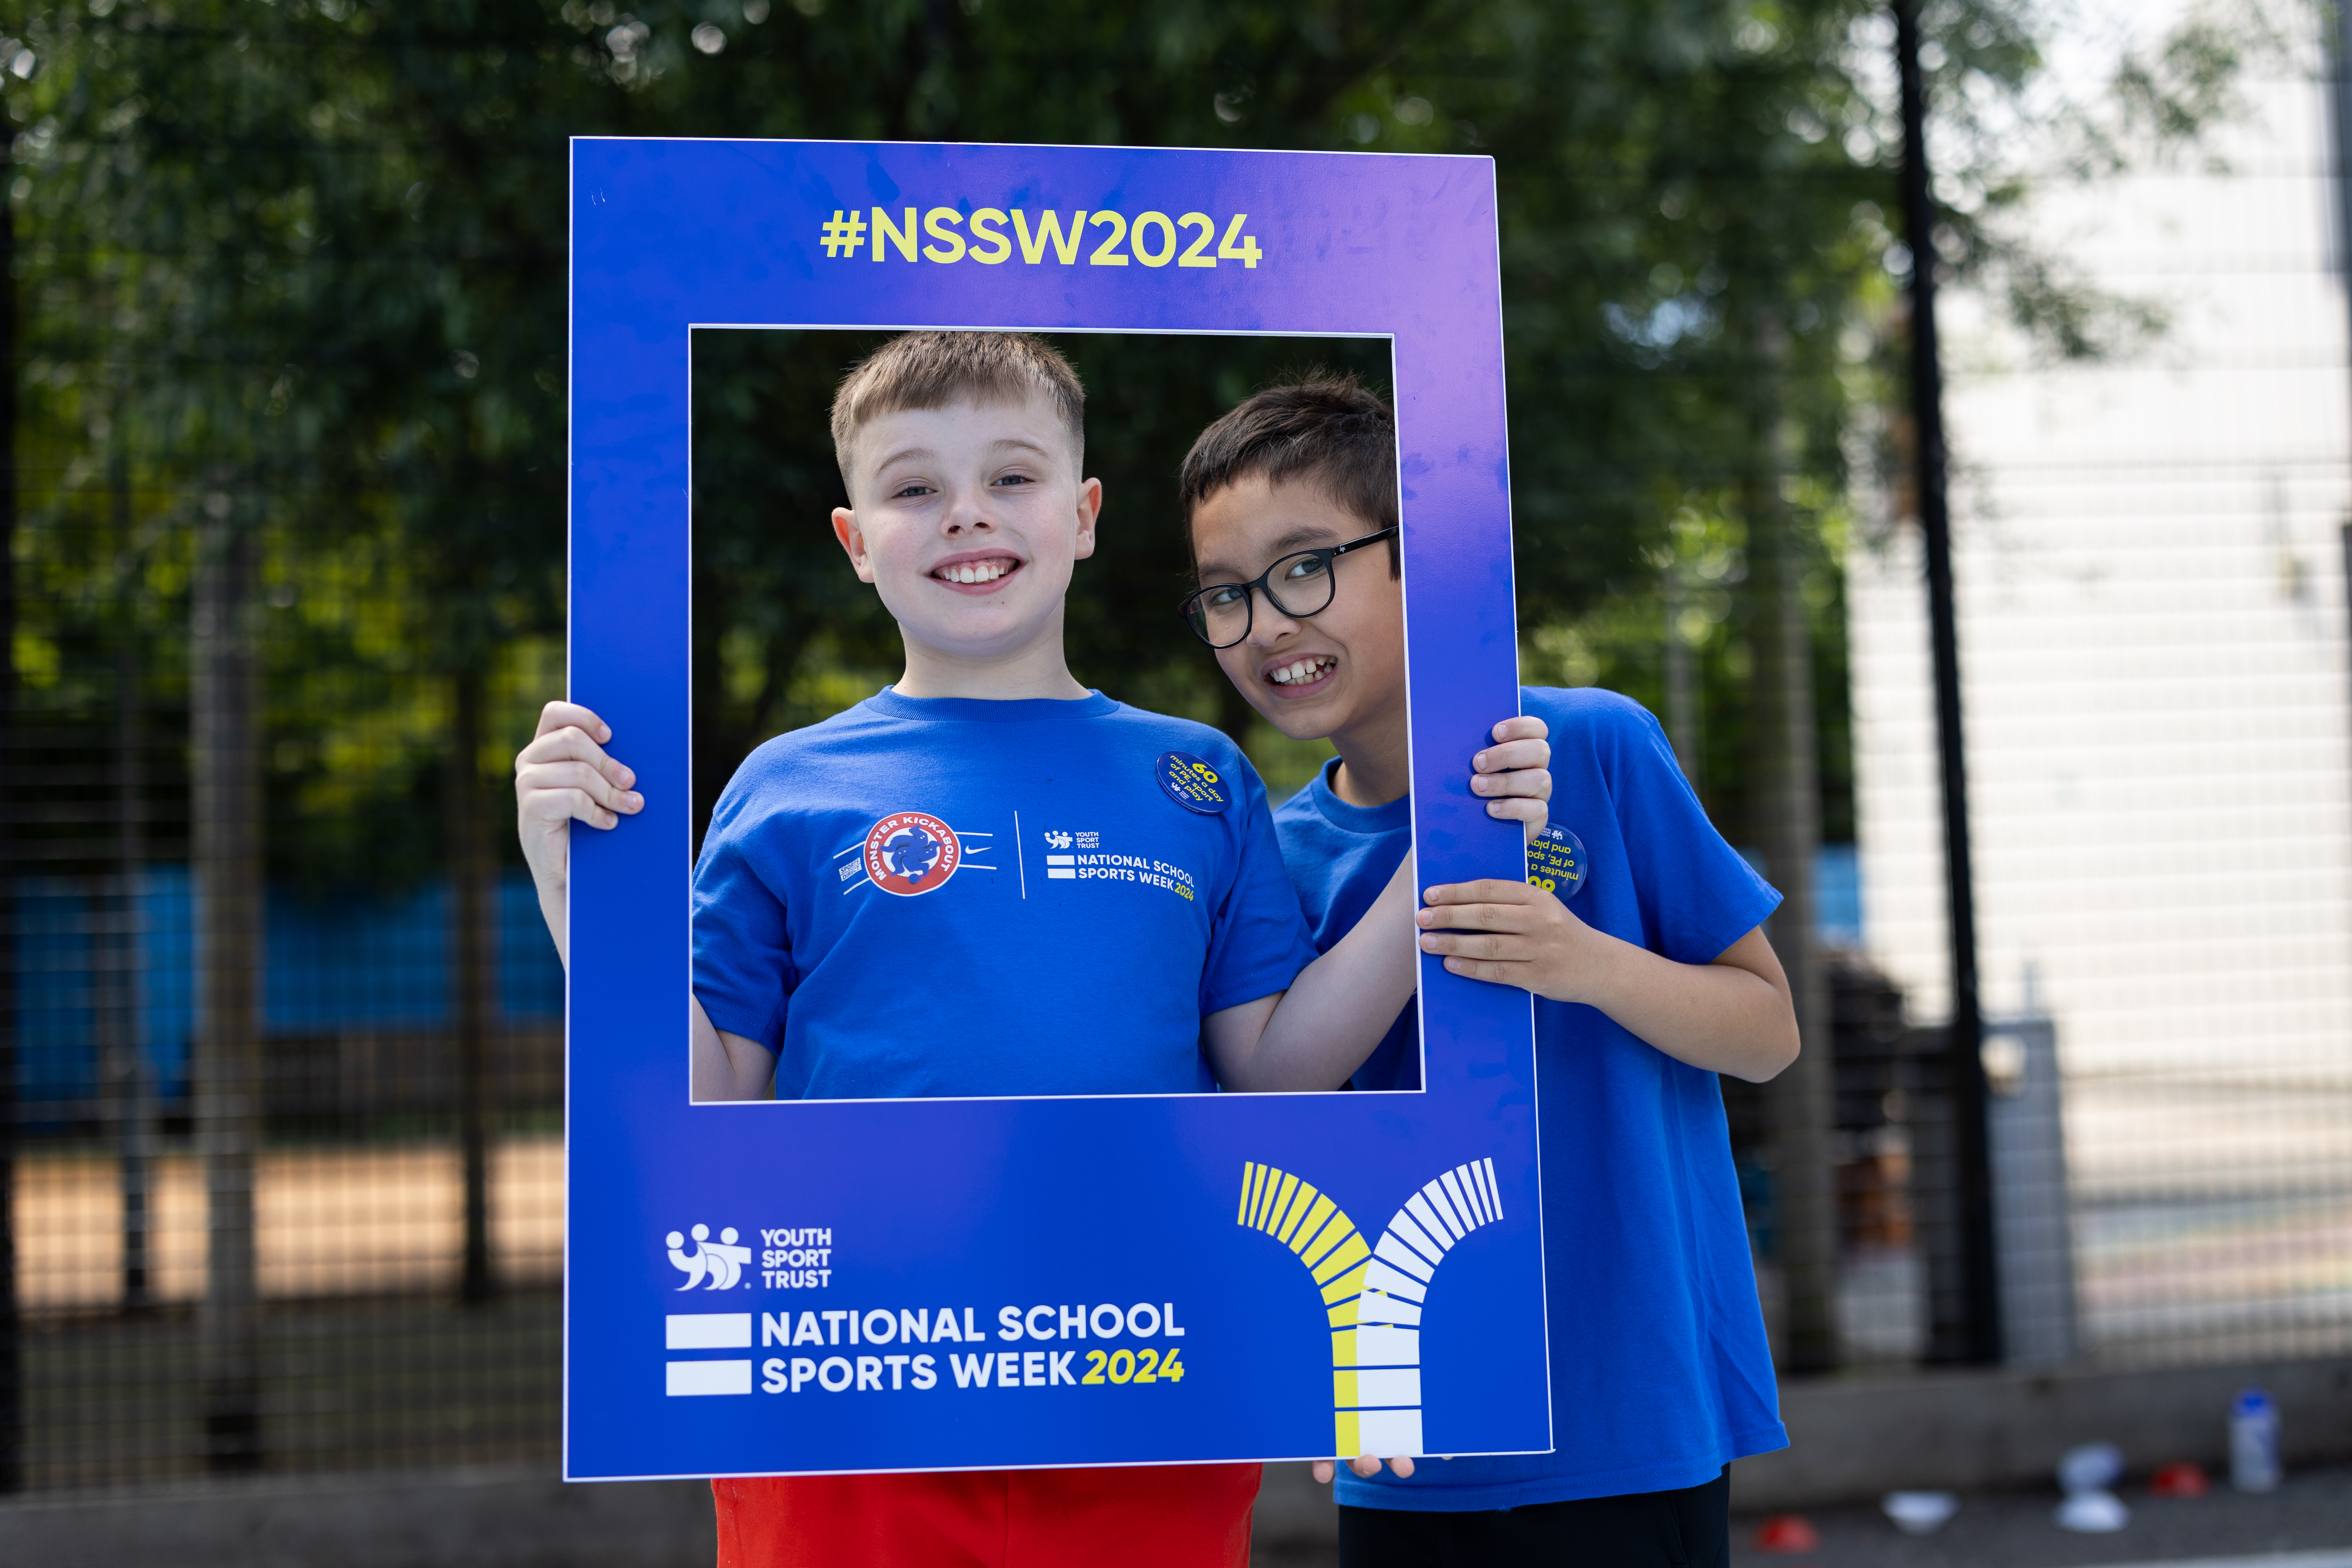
331, 964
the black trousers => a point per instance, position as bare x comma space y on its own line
1687, 1529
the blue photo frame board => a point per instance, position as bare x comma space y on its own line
815, 1286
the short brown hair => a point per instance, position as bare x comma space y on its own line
932, 370
1327, 430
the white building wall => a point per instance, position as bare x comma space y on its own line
2151, 572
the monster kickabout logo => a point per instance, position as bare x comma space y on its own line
715, 1265
910, 852
1373, 1293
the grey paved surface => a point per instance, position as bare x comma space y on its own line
515, 1517
2014, 1530
2312, 1511
521, 1518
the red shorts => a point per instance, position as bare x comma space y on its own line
1142, 1516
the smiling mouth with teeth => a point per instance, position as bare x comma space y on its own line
1303, 671
974, 572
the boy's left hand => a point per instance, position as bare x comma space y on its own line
1513, 775
1511, 933
1367, 1467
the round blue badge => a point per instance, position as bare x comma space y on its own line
1556, 862
1192, 783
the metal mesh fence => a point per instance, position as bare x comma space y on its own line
2153, 565
2151, 582
365, 1338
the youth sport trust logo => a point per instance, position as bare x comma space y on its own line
714, 1264
911, 852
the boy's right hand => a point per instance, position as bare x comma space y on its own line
563, 775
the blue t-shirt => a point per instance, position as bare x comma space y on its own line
954, 897
1341, 858
1660, 1371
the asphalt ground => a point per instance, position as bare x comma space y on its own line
348, 1387
2311, 1512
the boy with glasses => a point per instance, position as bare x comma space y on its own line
1639, 934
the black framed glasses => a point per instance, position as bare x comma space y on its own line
1299, 585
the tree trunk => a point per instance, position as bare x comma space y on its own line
12, 1406
130, 1079
225, 766
1798, 1103
1682, 674
1972, 1334
474, 969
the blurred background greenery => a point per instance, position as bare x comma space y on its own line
294, 269
282, 527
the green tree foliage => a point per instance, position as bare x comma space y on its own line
300, 262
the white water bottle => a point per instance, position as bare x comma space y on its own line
2253, 1442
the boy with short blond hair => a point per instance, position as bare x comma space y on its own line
928, 843
937, 370
1660, 1370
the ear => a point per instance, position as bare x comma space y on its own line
852, 542
1089, 510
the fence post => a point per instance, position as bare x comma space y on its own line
1798, 1103
227, 833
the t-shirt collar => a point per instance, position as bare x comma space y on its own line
1396, 816
985, 710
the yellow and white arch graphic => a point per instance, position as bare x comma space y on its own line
1373, 1293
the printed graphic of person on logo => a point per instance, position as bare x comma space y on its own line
910, 852
722, 1261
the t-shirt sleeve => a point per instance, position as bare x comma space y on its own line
1698, 896
742, 953
1258, 940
